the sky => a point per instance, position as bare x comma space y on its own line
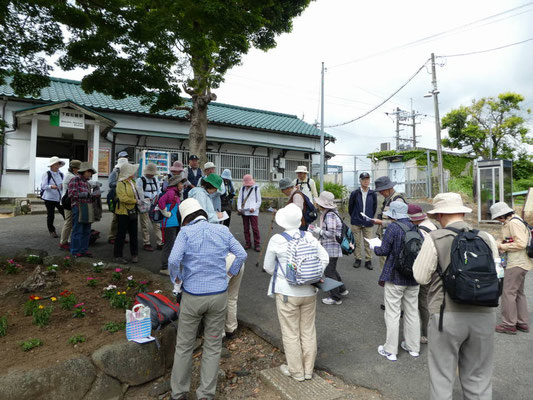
346, 35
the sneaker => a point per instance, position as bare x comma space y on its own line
308, 376
345, 293
53, 235
159, 247
164, 272
119, 260
523, 327
357, 263
64, 246
423, 340
390, 357
285, 371
505, 329
134, 259
147, 247
368, 265
258, 249
412, 353
330, 301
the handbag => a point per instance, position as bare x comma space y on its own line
138, 322
86, 213
132, 213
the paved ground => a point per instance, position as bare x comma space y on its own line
348, 335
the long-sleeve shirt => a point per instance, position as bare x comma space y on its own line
514, 228
391, 246
252, 195
79, 191
113, 178
307, 187
165, 202
201, 195
198, 257
215, 197
68, 177
46, 185
331, 226
127, 196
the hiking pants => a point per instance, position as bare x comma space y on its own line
423, 309
248, 220
514, 301
81, 234
50, 213
170, 237
210, 309
146, 225
297, 321
113, 228
67, 228
466, 343
126, 224
233, 295
361, 232
331, 272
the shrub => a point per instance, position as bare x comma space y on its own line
270, 190
113, 327
67, 300
3, 326
463, 185
67, 261
522, 184
117, 274
338, 190
12, 268
131, 282
41, 315
53, 267
97, 267
31, 305
120, 300
30, 344
143, 285
33, 259
78, 338
92, 282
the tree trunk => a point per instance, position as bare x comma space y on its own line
198, 129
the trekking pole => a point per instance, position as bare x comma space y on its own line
267, 240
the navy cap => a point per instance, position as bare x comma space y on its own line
364, 175
193, 157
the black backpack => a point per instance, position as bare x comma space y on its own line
66, 201
309, 212
529, 247
471, 277
412, 243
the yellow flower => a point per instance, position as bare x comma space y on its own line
36, 298
53, 299
41, 307
118, 292
123, 292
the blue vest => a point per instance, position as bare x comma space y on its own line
194, 178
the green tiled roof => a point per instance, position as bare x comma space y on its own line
218, 113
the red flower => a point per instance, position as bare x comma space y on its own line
65, 293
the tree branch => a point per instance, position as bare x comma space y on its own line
185, 108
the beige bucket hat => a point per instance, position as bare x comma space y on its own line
500, 209
150, 169
326, 200
301, 168
449, 203
55, 160
127, 170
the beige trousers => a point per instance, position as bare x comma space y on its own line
113, 229
233, 295
67, 228
514, 301
397, 298
297, 321
361, 232
146, 225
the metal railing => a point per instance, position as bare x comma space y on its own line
414, 182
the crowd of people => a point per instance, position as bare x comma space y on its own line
419, 254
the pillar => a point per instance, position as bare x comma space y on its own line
33, 154
96, 149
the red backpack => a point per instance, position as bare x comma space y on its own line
162, 309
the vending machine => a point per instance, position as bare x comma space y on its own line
160, 158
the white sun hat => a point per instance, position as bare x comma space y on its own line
500, 209
449, 203
301, 168
289, 217
55, 160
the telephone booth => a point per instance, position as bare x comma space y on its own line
494, 180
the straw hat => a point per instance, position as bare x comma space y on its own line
415, 213
289, 217
127, 170
150, 169
214, 180
326, 200
75, 164
301, 168
449, 203
383, 183
189, 206
209, 164
500, 209
55, 160
86, 166
177, 167
248, 180
121, 162
285, 183
397, 210
226, 174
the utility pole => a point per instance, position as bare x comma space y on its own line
355, 172
397, 128
322, 158
401, 116
413, 119
437, 123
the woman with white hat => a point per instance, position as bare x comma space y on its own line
330, 228
296, 305
305, 184
514, 240
112, 183
127, 213
51, 185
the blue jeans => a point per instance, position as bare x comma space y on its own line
81, 233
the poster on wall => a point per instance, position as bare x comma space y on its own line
67, 118
104, 158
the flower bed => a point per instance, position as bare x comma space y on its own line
37, 329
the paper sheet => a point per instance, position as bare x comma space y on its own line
225, 216
374, 242
365, 216
144, 340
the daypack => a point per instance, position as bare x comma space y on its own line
309, 211
306, 182
49, 173
303, 264
412, 243
112, 199
529, 247
66, 201
471, 277
155, 212
346, 238
162, 309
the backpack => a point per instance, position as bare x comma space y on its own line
112, 199
49, 173
529, 247
66, 201
309, 211
155, 212
471, 277
162, 309
346, 238
307, 182
303, 264
412, 243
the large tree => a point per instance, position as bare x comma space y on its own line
157, 49
498, 122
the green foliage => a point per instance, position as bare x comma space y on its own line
522, 184
271, 190
41, 315
33, 259
338, 190
462, 184
29, 307
113, 327
78, 338
3, 325
120, 300
67, 300
30, 344
500, 120
53, 267
523, 166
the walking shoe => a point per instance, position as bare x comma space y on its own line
505, 329
329, 300
368, 265
412, 353
248, 246
111, 241
134, 259
119, 260
423, 340
345, 293
87, 254
285, 371
357, 263
64, 246
308, 376
390, 357
147, 247
523, 327
53, 235
159, 247
181, 397
258, 249
164, 271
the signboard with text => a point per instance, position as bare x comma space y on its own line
67, 118
103, 161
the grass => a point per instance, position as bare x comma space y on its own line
463, 185
30, 344
78, 338
3, 326
113, 327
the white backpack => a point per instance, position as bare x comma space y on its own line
303, 264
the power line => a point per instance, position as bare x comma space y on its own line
438, 35
486, 51
384, 101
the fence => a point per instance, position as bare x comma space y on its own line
414, 182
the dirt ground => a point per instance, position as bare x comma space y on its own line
55, 336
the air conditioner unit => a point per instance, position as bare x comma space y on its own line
384, 146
